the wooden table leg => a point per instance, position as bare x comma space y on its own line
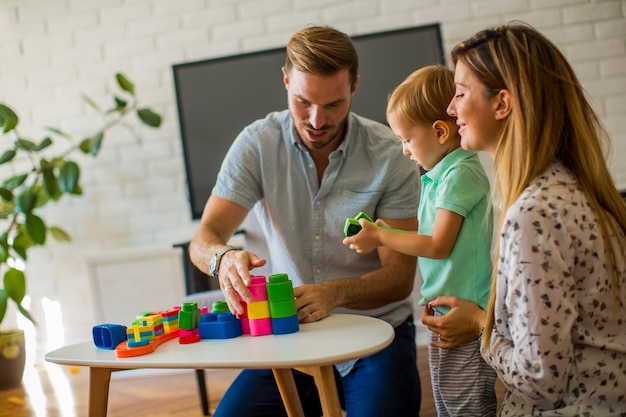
326, 387
99, 379
288, 391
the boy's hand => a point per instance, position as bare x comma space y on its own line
367, 239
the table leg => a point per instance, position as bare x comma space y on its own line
99, 379
326, 387
288, 391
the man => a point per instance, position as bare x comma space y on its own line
304, 171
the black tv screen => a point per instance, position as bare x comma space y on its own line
217, 98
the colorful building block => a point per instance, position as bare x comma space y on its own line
189, 316
219, 326
108, 336
285, 325
186, 336
260, 327
220, 307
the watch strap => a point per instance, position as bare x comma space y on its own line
218, 259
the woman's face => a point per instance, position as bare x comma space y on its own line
478, 119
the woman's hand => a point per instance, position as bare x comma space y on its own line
461, 324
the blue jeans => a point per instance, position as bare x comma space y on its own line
384, 384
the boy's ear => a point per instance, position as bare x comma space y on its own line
504, 104
442, 130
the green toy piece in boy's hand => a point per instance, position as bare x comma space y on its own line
352, 226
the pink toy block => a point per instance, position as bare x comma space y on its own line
260, 327
245, 325
188, 336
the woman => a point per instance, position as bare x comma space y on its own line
555, 328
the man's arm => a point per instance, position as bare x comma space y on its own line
393, 281
220, 219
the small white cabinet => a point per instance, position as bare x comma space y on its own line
127, 282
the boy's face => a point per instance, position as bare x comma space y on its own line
421, 143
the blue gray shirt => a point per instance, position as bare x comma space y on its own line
267, 169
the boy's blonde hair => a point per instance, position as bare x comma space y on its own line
423, 97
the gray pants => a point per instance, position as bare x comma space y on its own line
463, 383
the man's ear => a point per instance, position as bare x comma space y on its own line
355, 84
442, 130
504, 104
285, 78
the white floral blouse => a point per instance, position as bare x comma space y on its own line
559, 343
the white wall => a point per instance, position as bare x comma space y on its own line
52, 51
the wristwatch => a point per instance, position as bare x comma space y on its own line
214, 265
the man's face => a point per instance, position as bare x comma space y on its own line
319, 105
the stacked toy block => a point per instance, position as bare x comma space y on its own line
282, 304
256, 318
273, 309
170, 320
145, 329
188, 319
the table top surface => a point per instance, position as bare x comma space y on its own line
337, 338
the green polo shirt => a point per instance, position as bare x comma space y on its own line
458, 183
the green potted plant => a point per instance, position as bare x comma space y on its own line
36, 179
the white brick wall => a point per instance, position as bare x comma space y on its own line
135, 194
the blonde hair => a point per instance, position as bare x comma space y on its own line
423, 97
322, 50
551, 121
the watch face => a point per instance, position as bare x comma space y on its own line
212, 265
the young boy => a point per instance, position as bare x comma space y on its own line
453, 240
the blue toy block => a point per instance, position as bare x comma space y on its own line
219, 326
285, 325
108, 336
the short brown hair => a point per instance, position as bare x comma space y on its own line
322, 50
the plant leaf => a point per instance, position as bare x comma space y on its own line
124, 83
25, 200
36, 228
15, 181
8, 118
60, 234
50, 182
21, 243
15, 284
43, 144
4, 298
57, 132
92, 103
8, 155
96, 143
4, 251
149, 117
26, 314
119, 103
5, 194
25, 144
68, 176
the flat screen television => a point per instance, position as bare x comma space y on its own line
217, 98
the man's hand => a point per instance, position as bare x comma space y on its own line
234, 277
314, 301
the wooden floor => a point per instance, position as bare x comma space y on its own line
61, 391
